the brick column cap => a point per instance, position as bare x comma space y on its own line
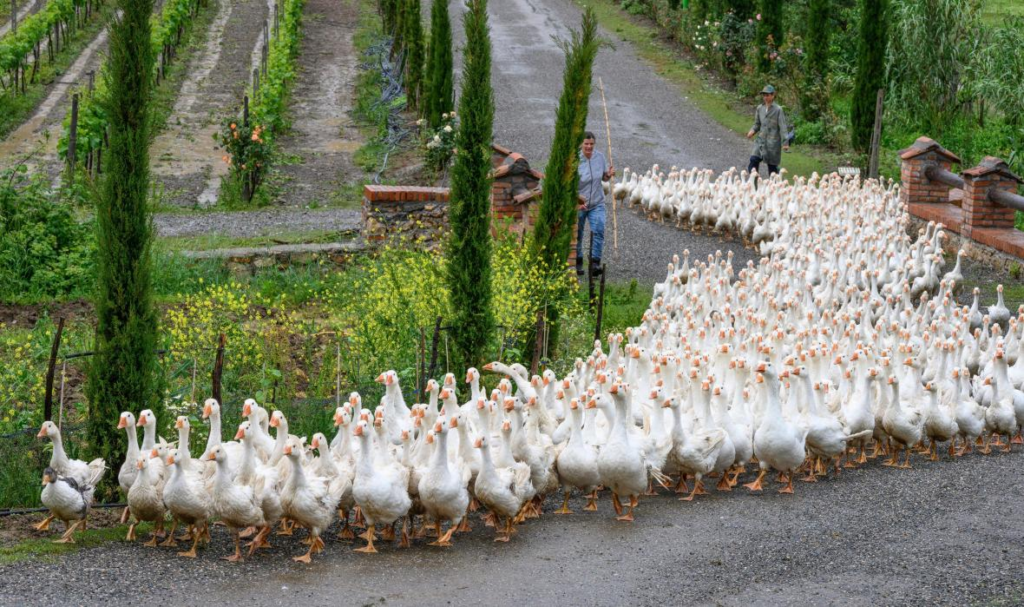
990, 165
925, 145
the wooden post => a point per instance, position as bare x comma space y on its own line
73, 136
600, 305
255, 82
245, 110
434, 342
218, 369
92, 81
14, 26
538, 342
54, 348
876, 136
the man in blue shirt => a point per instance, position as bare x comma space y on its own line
593, 169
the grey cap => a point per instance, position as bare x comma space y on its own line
768, 90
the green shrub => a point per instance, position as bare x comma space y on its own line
44, 251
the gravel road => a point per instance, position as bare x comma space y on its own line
944, 533
651, 121
264, 222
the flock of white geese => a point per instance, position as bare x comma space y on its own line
845, 336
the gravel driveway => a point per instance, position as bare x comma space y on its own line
944, 533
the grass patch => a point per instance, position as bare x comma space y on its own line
17, 108
45, 549
716, 103
994, 12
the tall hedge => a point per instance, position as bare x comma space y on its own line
123, 372
870, 71
414, 51
469, 246
439, 95
556, 218
770, 32
816, 58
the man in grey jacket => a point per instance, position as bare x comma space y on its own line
593, 170
770, 127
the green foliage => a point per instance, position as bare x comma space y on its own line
998, 74
770, 32
439, 96
16, 47
469, 246
45, 252
556, 219
414, 52
931, 44
123, 371
870, 71
269, 107
816, 60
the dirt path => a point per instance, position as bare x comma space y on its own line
40, 133
185, 158
323, 137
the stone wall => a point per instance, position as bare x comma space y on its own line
413, 214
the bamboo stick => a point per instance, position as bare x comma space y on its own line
611, 184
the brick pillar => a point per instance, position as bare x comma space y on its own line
915, 186
979, 211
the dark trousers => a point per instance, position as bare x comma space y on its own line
755, 164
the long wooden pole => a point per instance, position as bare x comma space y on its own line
611, 184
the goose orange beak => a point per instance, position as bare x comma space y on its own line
591, 404
315, 444
247, 410
154, 453
207, 411
761, 367
210, 456
139, 464
240, 434
478, 443
380, 379
122, 423
287, 450
446, 393
359, 431
454, 423
141, 422
179, 424
170, 460
42, 433
489, 367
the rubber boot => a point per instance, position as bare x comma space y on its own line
595, 266
579, 266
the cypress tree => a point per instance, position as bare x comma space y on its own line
440, 96
413, 32
123, 371
556, 218
870, 72
770, 32
469, 246
816, 58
